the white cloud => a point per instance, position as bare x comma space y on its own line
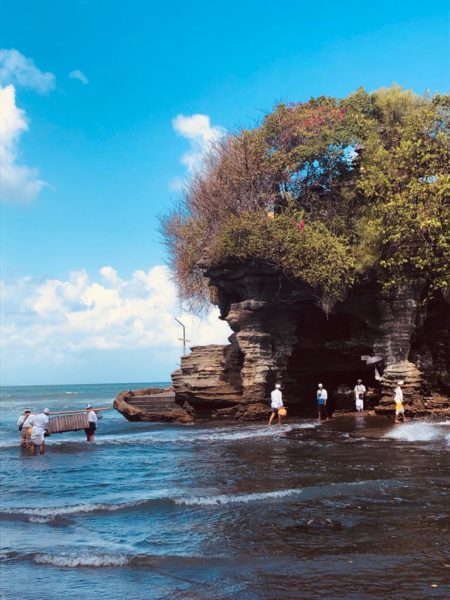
197, 129
18, 70
79, 75
18, 182
55, 322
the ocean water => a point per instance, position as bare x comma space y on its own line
354, 508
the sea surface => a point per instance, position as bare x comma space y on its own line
354, 508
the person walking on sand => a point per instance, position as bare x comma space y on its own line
93, 420
25, 428
398, 398
360, 392
321, 398
276, 402
39, 426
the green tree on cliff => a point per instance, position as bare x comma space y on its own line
330, 192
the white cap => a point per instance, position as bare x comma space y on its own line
88, 405
400, 382
46, 411
320, 385
277, 385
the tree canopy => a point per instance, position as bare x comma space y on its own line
329, 191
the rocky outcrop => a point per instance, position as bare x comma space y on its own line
151, 404
412, 379
209, 381
282, 334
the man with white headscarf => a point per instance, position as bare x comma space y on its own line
39, 424
276, 402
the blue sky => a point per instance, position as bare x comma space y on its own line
105, 152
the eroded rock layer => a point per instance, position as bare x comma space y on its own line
283, 332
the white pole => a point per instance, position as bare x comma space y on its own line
183, 339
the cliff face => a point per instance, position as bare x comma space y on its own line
281, 333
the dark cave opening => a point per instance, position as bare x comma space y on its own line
328, 351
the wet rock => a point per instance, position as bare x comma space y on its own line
413, 379
209, 381
151, 404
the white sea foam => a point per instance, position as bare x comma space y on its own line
10, 444
416, 432
39, 519
180, 435
81, 560
236, 498
185, 436
44, 515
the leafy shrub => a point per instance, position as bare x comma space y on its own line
358, 187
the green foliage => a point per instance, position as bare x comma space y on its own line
358, 187
307, 252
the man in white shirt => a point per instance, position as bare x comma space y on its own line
39, 424
360, 391
398, 399
322, 397
276, 402
93, 420
25, 428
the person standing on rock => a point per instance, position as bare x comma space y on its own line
360, 392
398, 398
321, 398
276, 402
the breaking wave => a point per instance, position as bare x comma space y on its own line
49, 514
81, 560
236, 498
45, 515
418, 432
184, 436
98, 560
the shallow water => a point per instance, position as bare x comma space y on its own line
353, 508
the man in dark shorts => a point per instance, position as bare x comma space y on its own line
93, 419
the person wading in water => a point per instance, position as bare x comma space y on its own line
276, 402
93, 420
25, 429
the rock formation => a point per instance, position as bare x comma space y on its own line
282, 333
151, 404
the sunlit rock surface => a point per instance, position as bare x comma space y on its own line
284, 332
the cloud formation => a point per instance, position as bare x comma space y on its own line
79, 75
55, 321
18, 182
197, 129
20, 71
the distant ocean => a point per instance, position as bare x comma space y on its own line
353, 508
